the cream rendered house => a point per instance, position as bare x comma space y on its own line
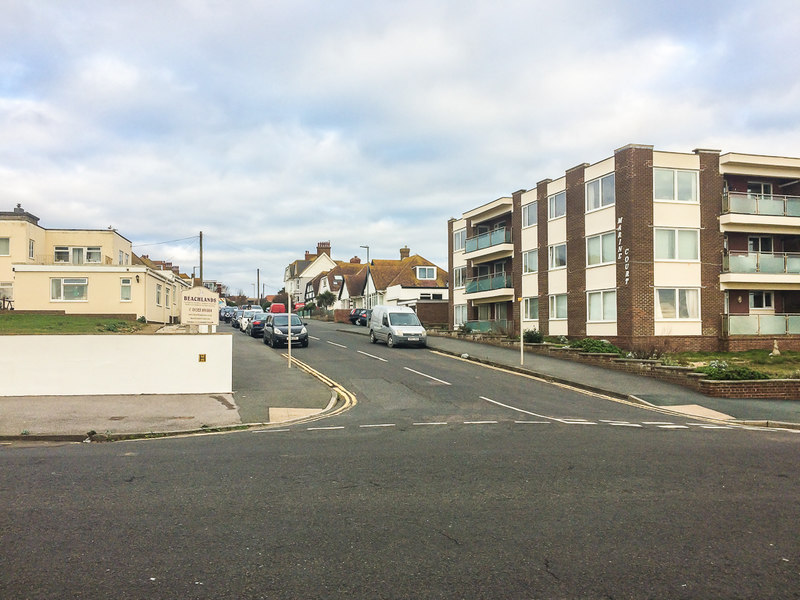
81, 272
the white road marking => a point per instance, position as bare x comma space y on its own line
314, 338
433, 423
673, 427
534, 422
715, 427
323, 428
658, 423
576, 422
335, 344
625, 425
379, 425
527, 412
372, 356
428, 376
480, 422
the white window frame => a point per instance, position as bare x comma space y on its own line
530, 261
459, 277
64, 250
604, 260
530, 211
677, 291
158, 294
676, 174
459, 314
554, 305
166, 296
758, 240
8, 246
606, 297
94, 250
121, 255
122, 286
676, 234
529, 314
767, 300
424, 272
459, 240
7, 290
553, 205
31, 248
551, 255
602, 183
62, 283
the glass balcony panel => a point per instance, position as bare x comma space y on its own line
488, 239
471, 245
767, 205
743, 263
740, 203
772, 324
770, 263
793, 206
743, 324
793, 324
792, 263
471, 286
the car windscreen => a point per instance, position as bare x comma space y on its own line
403, 319
281, 320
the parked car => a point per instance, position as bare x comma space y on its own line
245, 318
237, 314
363, 316
226, 313
276, 330
353, 316
255, 328
396, 325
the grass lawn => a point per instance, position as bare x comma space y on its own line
785, 366
27, 324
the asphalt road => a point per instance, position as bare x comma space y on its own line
447, 480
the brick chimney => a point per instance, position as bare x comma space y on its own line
405, 252
355, 261
308, 255
324, 248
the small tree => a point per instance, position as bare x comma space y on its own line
325, 300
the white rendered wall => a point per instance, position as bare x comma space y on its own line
70, 365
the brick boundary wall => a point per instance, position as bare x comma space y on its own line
340, 315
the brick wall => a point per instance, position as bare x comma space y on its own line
576, 251
434, 313
712, 299
541, 215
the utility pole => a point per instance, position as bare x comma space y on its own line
258, 286
201, 258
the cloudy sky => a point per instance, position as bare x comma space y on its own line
273, 125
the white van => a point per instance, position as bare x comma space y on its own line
396, 325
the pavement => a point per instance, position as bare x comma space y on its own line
300, 395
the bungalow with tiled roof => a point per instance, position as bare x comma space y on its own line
298, 273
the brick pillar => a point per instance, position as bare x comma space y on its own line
576, 251
516, 260
712, 299
541, 219
634, 207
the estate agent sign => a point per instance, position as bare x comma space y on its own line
200, 306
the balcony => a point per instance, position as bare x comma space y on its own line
760, 268
761, 204
780, 324
490, 245
499, 326
497, 286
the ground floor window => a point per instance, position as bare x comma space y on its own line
531, 309
125, 289
6, 290
5, 246
558, 306
459, 314
678, 303
69, 289
158, 294
602, 306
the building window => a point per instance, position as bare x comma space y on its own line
6, 290
120, 257
558, 307
166, 301
557, 205
600, 193
127, 258
125, 289
677, 244
759, 189
677, 303
601, 306
760, 300
557, 256
5, 246
31, 246
459, 277
426, 273
158, 294
93, 255
672, 185
531, 309
69, 289
459, 314
459, 239
61, 254
530, 261
759, 243
529, 214
601, 249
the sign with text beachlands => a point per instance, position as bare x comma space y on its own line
200, 306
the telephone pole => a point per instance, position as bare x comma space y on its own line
201, 258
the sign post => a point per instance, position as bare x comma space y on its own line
200, 308
521, 336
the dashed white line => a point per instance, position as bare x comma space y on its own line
625, 425
576, 422
533, 422
657, 423
378, 425
323, 428
432, 423
335, 344
372, 356
480, 422
314, 338
673, 427
428, 376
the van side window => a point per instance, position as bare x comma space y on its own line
385, 321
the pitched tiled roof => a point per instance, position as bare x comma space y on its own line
386, 273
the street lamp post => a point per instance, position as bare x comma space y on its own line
367, 247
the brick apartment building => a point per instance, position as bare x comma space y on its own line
647, 249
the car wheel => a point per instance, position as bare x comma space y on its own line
372, 337
305, 344
390, 341
264, 339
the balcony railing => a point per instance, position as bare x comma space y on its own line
781, 324
488, 239
486, 283
761, 204
488, 326
761, 262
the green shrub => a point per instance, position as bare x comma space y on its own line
594, 345
532, 336
719, 369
